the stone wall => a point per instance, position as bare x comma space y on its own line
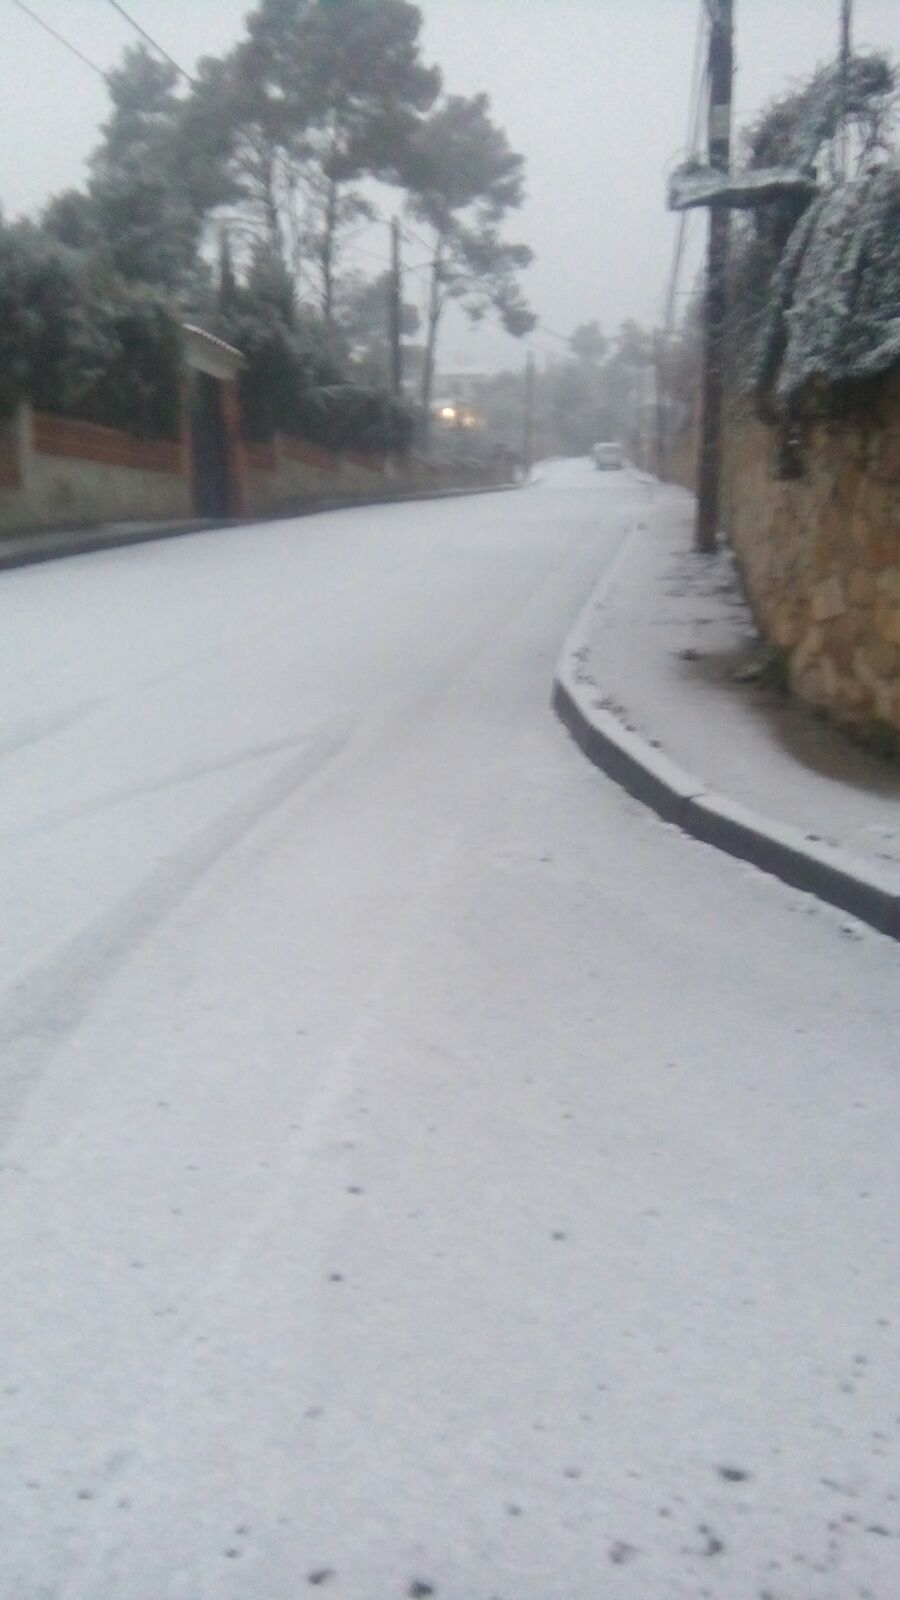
681, 463
820, 553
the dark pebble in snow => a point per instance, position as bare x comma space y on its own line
875, 1527
417, 1589
85, 1494
558, 1235
336, 1277
514, 1511
573, 1472
354, 1188
322, 1575
621, 1552
733, 1474
232, 1554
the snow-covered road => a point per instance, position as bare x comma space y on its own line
423, 1172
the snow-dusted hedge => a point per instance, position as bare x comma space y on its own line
78, 340
834, 306
793, 130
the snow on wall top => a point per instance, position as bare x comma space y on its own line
692, 186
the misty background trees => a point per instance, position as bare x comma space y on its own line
246, 199
240, 199
591, 387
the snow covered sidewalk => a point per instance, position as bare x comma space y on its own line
657, 681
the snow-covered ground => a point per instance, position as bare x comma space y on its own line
423, 1172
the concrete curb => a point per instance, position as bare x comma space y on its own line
31, 549
680, 798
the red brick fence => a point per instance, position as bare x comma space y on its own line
56, 472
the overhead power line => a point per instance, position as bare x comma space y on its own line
695, 114
60, 38
148, 38
561, 338
416, 238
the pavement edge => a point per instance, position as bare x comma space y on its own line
32, 549
681, 798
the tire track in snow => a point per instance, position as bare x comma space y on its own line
137, 791
43, 1008
48, 1004
32, 733
170, 1383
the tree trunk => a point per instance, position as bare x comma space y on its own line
270, 206
329, 238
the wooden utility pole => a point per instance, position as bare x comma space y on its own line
721, 71
395, 297
528, 434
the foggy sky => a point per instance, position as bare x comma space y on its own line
594, 93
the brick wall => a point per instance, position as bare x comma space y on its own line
292, 473
88, 441
55, 472
366, 462
261, 457
10, 469
308, 455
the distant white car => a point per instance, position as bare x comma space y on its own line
608, 457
